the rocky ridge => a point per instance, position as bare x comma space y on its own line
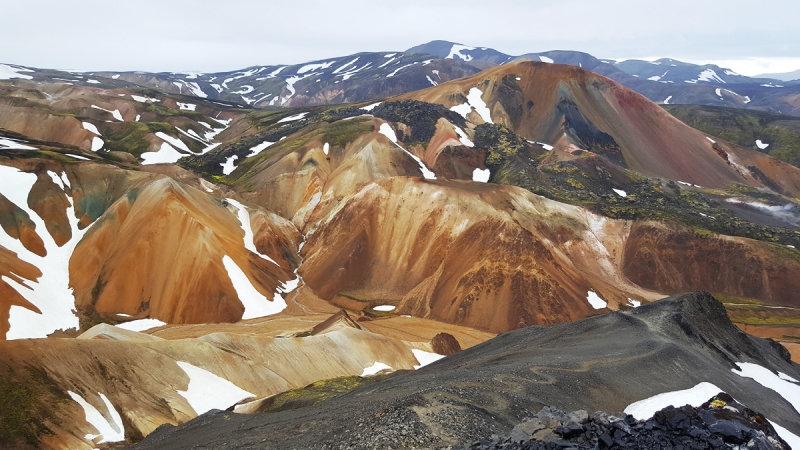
720, 423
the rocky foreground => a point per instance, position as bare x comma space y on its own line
720, 423
605, 363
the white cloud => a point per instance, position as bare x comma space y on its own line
607, 29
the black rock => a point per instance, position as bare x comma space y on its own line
721, 423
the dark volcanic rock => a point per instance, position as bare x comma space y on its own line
719, 423
603, 363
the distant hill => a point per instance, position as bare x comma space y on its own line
786, 76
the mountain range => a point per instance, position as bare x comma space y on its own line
173, 245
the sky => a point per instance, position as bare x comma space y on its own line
198, 35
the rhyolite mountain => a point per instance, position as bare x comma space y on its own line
663, 81
163, 254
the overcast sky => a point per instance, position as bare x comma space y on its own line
179, 35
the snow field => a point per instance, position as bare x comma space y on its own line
207, 391
474, 100
111, 430
595, 300
50, 292
481, 176
255, 304
375, 368
424, 358
141, 324
695, 396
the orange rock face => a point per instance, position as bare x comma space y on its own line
541, 101
674, 259
162, 256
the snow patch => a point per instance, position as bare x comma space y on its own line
13, 144
166, 154
51, 292
141, 324
431, 81
455, 51
399, 69
345, 66
97, 144
91, 128
424, 358
110, 430
545, 59
666, 101
255, 304
481, 176
783, 376
9, 72
620, 192
117, 115
311, 67
293, 118
142, 99
326, 148
696, 396
547, 147
386, 63
595, 300
187, 106
375, 368
792, 439
761, 145
785, 388
370, 107
249, 238
462, 136
227, 166
474, 100
258, 148
387, 131
711, 140
710, 76
207, 391
173, 141
634, 303
384, 308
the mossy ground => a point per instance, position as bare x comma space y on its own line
745, 126
315, 393
26, 404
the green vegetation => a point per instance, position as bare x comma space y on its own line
589, 181
129, 136
315, 393
767, 321
744, 126
356, 295
25, 408
501, 143
339, 134
420, 116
